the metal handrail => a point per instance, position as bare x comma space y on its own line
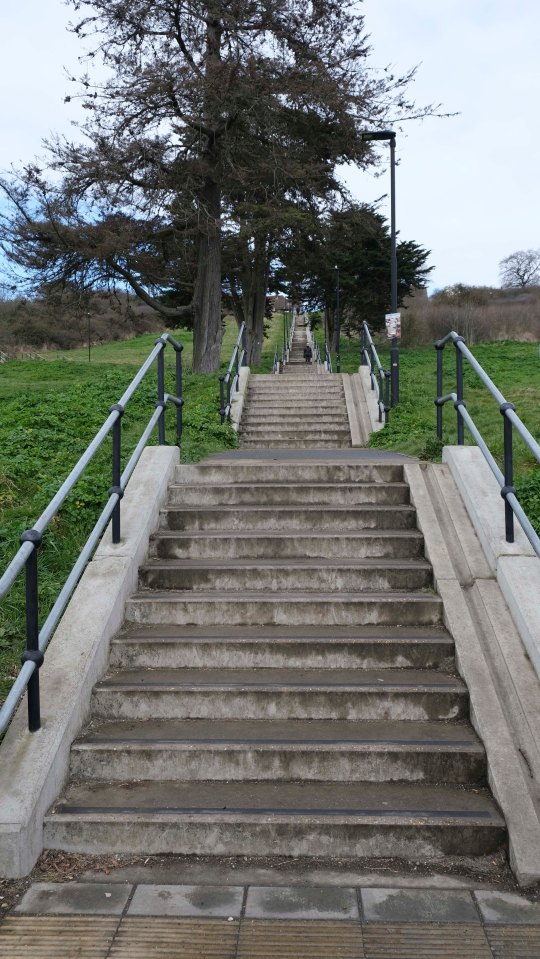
327, 358
505, 479
380, 381
229, 382
290, 338
27, 556
275, 364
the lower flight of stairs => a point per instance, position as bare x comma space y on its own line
283, 685
299, 408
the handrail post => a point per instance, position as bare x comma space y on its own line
381, 393
387, 376
363, 346
32, 652
508, 473
161, 395
244, 344
179, 388
116, 469
439, 347
459, 392
222, 398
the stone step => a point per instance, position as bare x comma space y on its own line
408, 821
305, 444
252, 608
280, 693
364, 544
283, 575
336, 519
270, 749
291, 419
294, 413
290, 494
303, 472
301, 430
335, 647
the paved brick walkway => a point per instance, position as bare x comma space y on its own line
120, 920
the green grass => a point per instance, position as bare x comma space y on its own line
515, 370
50, 412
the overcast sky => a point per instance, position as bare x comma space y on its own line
467, 187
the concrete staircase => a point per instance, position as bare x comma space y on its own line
283, 685
300, 408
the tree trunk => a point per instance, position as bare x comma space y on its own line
207, 328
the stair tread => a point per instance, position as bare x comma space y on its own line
364, 802
282, 596
289, 563
274, 733
280, 678
285, 634
286, 534
309, 507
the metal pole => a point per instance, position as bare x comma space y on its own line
32, 652
439, 349
179, 387
508, 473
161, 395
394, 350
116, 469
88, 318
222, 398
459, 392
338, 324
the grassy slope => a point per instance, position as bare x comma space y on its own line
50, 412
515, 370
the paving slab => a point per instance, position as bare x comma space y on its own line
301, 902
418, 905
75, 898
218, 901
507, 908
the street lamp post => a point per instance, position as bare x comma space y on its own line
338, 323
394, 346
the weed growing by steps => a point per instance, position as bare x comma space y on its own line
50, 412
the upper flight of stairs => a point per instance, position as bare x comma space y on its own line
283, 685
299, 408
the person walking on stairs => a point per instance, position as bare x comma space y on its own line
308, 353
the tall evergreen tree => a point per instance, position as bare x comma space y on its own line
197, 93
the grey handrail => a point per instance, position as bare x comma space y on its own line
511, 421
229, 382
381, 387
26, 556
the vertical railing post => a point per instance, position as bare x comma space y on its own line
459, 392
161, 395
439, 348
363, 346
116, 469
222, 398
244, 345
381, 394
179, 389
508, 472
387, 377
32, 652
